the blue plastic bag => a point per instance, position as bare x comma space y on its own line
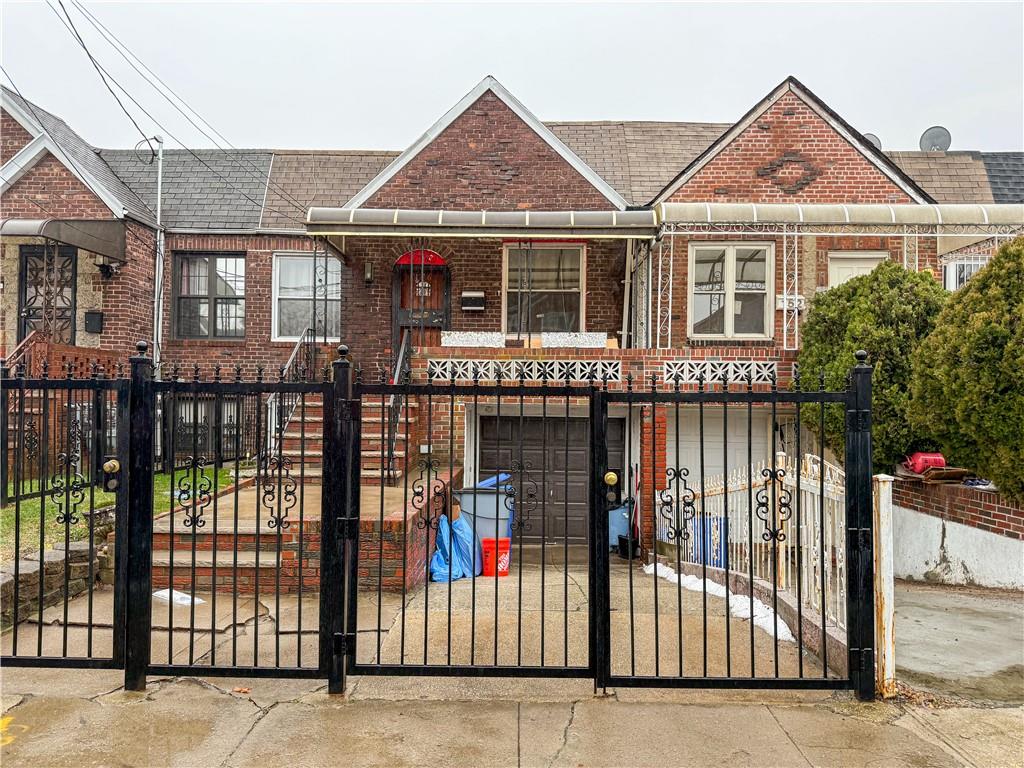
458, 554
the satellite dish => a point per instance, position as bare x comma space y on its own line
873, 140
935, 139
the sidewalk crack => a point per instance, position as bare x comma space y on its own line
791, 739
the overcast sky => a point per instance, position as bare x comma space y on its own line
375, 76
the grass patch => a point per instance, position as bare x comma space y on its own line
53, 532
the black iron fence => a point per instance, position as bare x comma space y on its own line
635, 532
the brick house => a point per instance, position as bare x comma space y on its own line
496, 244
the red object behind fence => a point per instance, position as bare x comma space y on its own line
920, 461
496, 556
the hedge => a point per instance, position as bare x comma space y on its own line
887, 312
968, 384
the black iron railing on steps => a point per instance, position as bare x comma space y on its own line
400, 375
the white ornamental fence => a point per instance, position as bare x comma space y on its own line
806, 557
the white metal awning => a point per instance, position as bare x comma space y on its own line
527, 224
105, 237
980, 216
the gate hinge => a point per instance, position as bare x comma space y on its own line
345, 410
347, 527
858, 420
862, 538
343, 643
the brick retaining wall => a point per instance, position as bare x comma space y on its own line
985, 510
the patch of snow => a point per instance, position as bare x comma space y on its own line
739, 605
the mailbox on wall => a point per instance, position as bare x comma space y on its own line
472, 301
94, 321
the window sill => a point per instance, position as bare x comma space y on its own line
722, 341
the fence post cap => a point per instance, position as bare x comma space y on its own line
141, 347
343, 351
862, 356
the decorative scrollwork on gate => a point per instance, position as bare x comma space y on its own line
67, 489
429, 494
525, 491
775, 516
195, 491
678, 516
30, 439
277, 479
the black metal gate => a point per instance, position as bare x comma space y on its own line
291, 526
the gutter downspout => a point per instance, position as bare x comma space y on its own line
158, 278
625, 341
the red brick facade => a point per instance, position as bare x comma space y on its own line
790, 155
489, 159
49, 190
256, 348
13, 137
985, 510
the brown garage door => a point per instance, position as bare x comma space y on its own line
561, 473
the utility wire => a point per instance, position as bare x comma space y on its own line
101, 68
74, 31
70, 161
149, 76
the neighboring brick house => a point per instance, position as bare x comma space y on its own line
494, 238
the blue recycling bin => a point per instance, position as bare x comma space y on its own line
618, 525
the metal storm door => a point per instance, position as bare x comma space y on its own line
46, 302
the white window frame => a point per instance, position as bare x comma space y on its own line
506, 247
949, 270
730, 288
874, 254
274, 295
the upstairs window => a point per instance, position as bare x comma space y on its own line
307, 294
209, 296
730, 291
543, 289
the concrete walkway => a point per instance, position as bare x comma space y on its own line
75, 718
961, 641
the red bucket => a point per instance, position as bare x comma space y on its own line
496, 556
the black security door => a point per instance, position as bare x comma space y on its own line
46, 302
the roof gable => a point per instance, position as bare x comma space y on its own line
775, 144
52, 135
485, 106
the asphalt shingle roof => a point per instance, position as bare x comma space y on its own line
315, 178
83, 155
212, 190
230, 190
1006, 175
949, 177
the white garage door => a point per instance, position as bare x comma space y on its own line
714, 445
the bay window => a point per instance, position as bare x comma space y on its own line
730, 290
544, 288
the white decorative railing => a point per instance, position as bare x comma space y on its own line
554, 371
690, 371
761, 520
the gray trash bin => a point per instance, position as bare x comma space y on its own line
484, 505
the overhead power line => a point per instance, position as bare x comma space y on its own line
74, 31
136, 63
259, 204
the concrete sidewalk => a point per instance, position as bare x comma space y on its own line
78, 717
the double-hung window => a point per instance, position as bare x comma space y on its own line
730, 291
307, 294
210, 295
958, 272
544, 289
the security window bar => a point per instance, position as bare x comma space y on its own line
730, 287
544, 290
210, 286
957, 273
307, 294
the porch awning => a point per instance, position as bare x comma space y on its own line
528, 224
103, 236
973, 215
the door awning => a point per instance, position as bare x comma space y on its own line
979, 216
505, 224
105, 237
